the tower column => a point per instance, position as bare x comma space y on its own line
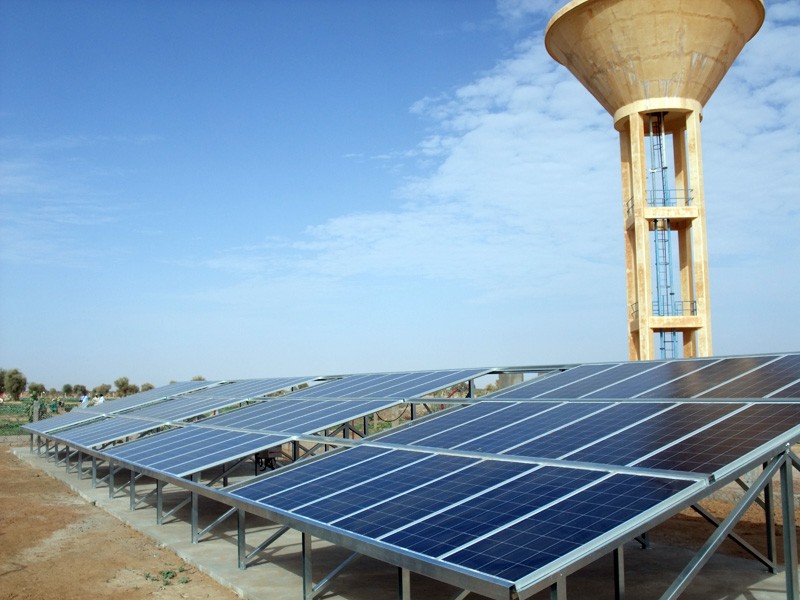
637, 237
699, 244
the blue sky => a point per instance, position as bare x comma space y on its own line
249, 189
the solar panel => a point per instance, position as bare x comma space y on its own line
700, 380
90, 413
460, 512
761, 381
600, 380
661, 374
546, 383
233, 435
390, 385
186, 406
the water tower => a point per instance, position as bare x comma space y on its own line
653, 64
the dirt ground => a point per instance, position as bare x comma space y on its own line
55, 545
46, 530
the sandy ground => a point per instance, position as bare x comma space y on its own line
56, 545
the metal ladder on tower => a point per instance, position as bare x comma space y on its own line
663, 303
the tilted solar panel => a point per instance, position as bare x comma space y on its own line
78, 415
545, 383
389, 385
761, 381
701, 380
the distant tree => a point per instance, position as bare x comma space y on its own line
2, 381
124, 387
67, 389
147, 387
52, 392
198, 378
14, 383
37, 389
101, 390
79, 389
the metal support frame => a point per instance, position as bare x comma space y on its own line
558, 590
619, 573
195, 499
308, 577
711, 545
462, 595
790, 557
403, 584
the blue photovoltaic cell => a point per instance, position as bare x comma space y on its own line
721, 444
600, 380
761, 382
573, 435
660, 375
482, 426
540, 385
181, 452
323, 474
464, 523
418, 432
524, 547
389, 385
704, 379
625, 447
380, 486
384, 517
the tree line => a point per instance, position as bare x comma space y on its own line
13, 384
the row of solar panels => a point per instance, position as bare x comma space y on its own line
499, 493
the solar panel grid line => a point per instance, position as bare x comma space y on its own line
687, 436
740, 439
349, 386
412, 430
789, 386
738, 377
364, 482
594, 382
550, 431
564, 385
791, 391
334, 473
617, 431
400, 495
525, 517
700, 380
478, 419
761, 382
455, 504
157, 447
636, 385
400, 388
676, 379
544, 383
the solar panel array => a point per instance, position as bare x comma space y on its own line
505, 492
90, 413
187, 406
501, 493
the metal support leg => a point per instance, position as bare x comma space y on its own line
195, 510
790, 557
558, 591
159, 502
66, 459
132, 490
240, 539
94, 472
403, 584
110, 479
769, 523
619, 573
308, 581
80, 465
